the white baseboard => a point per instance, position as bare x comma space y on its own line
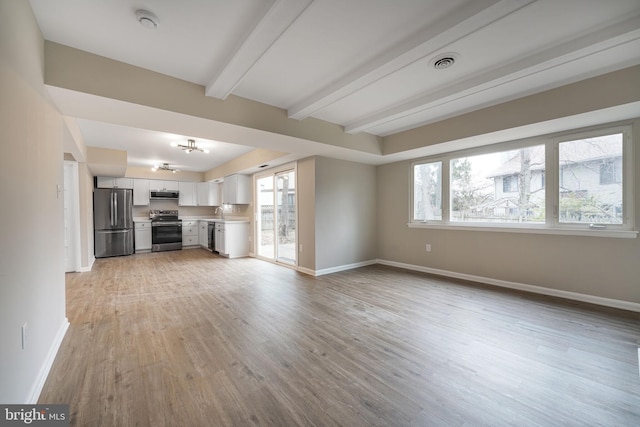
308, 271
336, 269
36, 388
608, 302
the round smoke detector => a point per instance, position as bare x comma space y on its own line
443, 61
147, 19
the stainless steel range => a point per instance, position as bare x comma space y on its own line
166, 230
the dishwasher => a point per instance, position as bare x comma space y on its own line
211, 236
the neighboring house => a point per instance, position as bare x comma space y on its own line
506, 201
590, 183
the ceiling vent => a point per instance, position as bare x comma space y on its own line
443, 61
147, 19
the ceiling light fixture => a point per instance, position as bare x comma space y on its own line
191, 146
164, 167
147, 19
443, 61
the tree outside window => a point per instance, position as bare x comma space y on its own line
591, 180
427, 192
506, 186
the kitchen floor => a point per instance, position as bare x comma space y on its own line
188, 338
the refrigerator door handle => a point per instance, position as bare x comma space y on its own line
115, 208
111, 212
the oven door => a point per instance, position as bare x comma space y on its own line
166, 235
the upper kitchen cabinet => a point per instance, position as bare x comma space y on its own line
208, 193
158, 185
110, 182
187, 195
141, 192
236, 190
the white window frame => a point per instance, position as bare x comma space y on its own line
552, 224
444, 197
627, 179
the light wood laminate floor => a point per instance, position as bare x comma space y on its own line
190, 339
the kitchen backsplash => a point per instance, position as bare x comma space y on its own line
197, 211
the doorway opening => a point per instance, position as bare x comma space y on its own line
276, 223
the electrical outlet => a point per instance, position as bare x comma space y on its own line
24, 336
427, 247
300, 247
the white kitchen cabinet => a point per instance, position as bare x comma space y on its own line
142, 231
203, 234
140, 192
236, 190
159, 185
232, 239
220, 242
208, 193
110, 182
187, 195
189, 233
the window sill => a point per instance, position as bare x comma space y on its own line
621, 234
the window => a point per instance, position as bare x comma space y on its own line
591, 190
611, 171
504, 185
427, 192
509, 184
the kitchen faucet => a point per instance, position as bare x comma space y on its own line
220, 210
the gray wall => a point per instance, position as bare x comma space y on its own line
32, 288
306, 192
345, 213
602, 267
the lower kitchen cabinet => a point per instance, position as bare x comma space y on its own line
142, 236
232, 239
203, 234
189, 233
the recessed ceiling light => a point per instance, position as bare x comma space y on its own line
443, 61
147, 19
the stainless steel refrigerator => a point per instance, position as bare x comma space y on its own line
113, 222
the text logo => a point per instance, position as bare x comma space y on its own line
34, 415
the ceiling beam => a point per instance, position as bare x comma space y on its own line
592, 44
271, 27
464, 21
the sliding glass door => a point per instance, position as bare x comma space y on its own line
276, 222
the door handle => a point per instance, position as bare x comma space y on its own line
112, 211
115, 208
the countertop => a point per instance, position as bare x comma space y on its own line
224, 221
197, 218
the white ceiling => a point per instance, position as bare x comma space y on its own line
362, 64
149, 148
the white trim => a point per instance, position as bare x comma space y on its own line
530, 229
337, 268
89, 267
308, 271
38, 384
72, 190
608, 302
